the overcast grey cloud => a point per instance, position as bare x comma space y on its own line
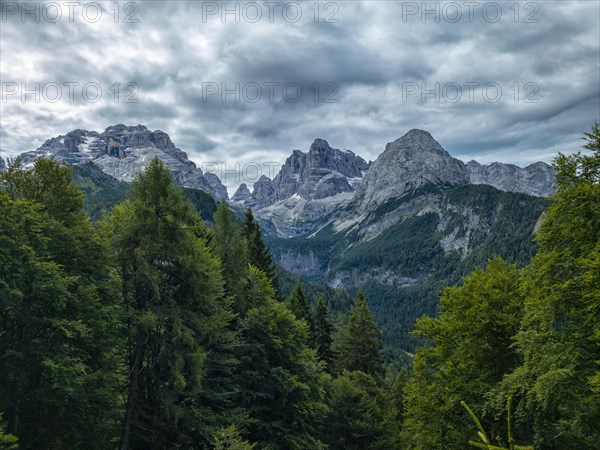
362, 68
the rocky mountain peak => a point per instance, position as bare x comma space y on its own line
123, 151
2, 165
320, 173
242, 194
411, 161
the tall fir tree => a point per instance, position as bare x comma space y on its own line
359, 345
323, 333
227, 242
298, 305
258, 253
175, 311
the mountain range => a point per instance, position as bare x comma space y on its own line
311, 186
401, 227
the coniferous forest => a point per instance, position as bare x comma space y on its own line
156, 326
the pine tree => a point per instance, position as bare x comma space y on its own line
228, 244
175, 311
323, 332
258, 253
359, 345
298, 305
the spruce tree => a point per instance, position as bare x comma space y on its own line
281, 382
323, 332
357, 408
359, 345
258, 253
298, 305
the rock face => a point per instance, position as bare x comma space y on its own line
215, 182
535, 179
123, 152
242, 195
308, 187
321, 173
408, 163
2, 165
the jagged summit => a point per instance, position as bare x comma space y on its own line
2, 165
406, 164
321, 172
123, 151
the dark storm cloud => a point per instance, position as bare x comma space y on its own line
364, 62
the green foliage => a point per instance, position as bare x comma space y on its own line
7, 441
472, 350
58, 314
555, 392
357, 414
258, 253
298, 305
229, 245
176, 318
359, 345
230, 439
281, 382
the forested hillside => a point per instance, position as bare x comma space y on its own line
149, 329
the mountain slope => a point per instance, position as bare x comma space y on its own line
442, 235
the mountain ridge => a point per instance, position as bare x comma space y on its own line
309, 189
123, 152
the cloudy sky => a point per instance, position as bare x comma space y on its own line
247, 82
